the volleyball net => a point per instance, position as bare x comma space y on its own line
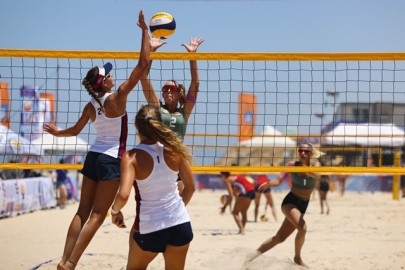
252, 109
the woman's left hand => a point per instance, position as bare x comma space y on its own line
118, 220
141, 21
194, 43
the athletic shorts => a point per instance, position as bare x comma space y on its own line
101, 167
267, 190
251, 195
178, 235
293, 199
324, 186
60, 183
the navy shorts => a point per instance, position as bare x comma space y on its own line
101, 167
324, 186
251, 195
178, 235
267, 190
300, 203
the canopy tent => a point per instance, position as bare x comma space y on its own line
67, 145
269, 148
369, 134
11, 143
270, 137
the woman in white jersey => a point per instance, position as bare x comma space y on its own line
101, 170
162, 223
178, 105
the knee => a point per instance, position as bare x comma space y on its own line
97, 218
302, 229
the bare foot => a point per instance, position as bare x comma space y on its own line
250, 257
61, 265
300, 262
241, 232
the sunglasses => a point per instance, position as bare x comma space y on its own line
172, 89
304, 151
107, 76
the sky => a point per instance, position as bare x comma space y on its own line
226, 26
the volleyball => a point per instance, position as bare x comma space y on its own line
264, 218
162, 25
224, 199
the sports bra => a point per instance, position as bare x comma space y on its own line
302, 181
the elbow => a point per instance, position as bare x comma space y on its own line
191, 189
122, 197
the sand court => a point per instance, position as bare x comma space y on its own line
363, 231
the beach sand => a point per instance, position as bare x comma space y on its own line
363, 231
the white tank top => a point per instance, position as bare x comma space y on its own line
111, 132
159, 205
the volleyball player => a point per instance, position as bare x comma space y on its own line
178, 105
294, 204
162, 223
244, 192
101, 170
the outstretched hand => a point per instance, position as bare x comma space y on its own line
50, 128
194, 43
155, 44
141, 21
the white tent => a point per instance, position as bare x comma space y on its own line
12, 143
52, 144
270, 137
386, 135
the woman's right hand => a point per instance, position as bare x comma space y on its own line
50, 128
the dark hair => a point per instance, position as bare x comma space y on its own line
182, 90
89, 81
226, 174
148, 122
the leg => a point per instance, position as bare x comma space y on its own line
175, 257
297, 220
326, 203
104, 196
241, 205
85, 205
63, 195
321, 199
138, 259
283, 233
270, 202
257, 204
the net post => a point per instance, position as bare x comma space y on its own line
395, 181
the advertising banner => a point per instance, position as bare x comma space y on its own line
247, 116
4, 105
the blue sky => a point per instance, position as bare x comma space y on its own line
227, 26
